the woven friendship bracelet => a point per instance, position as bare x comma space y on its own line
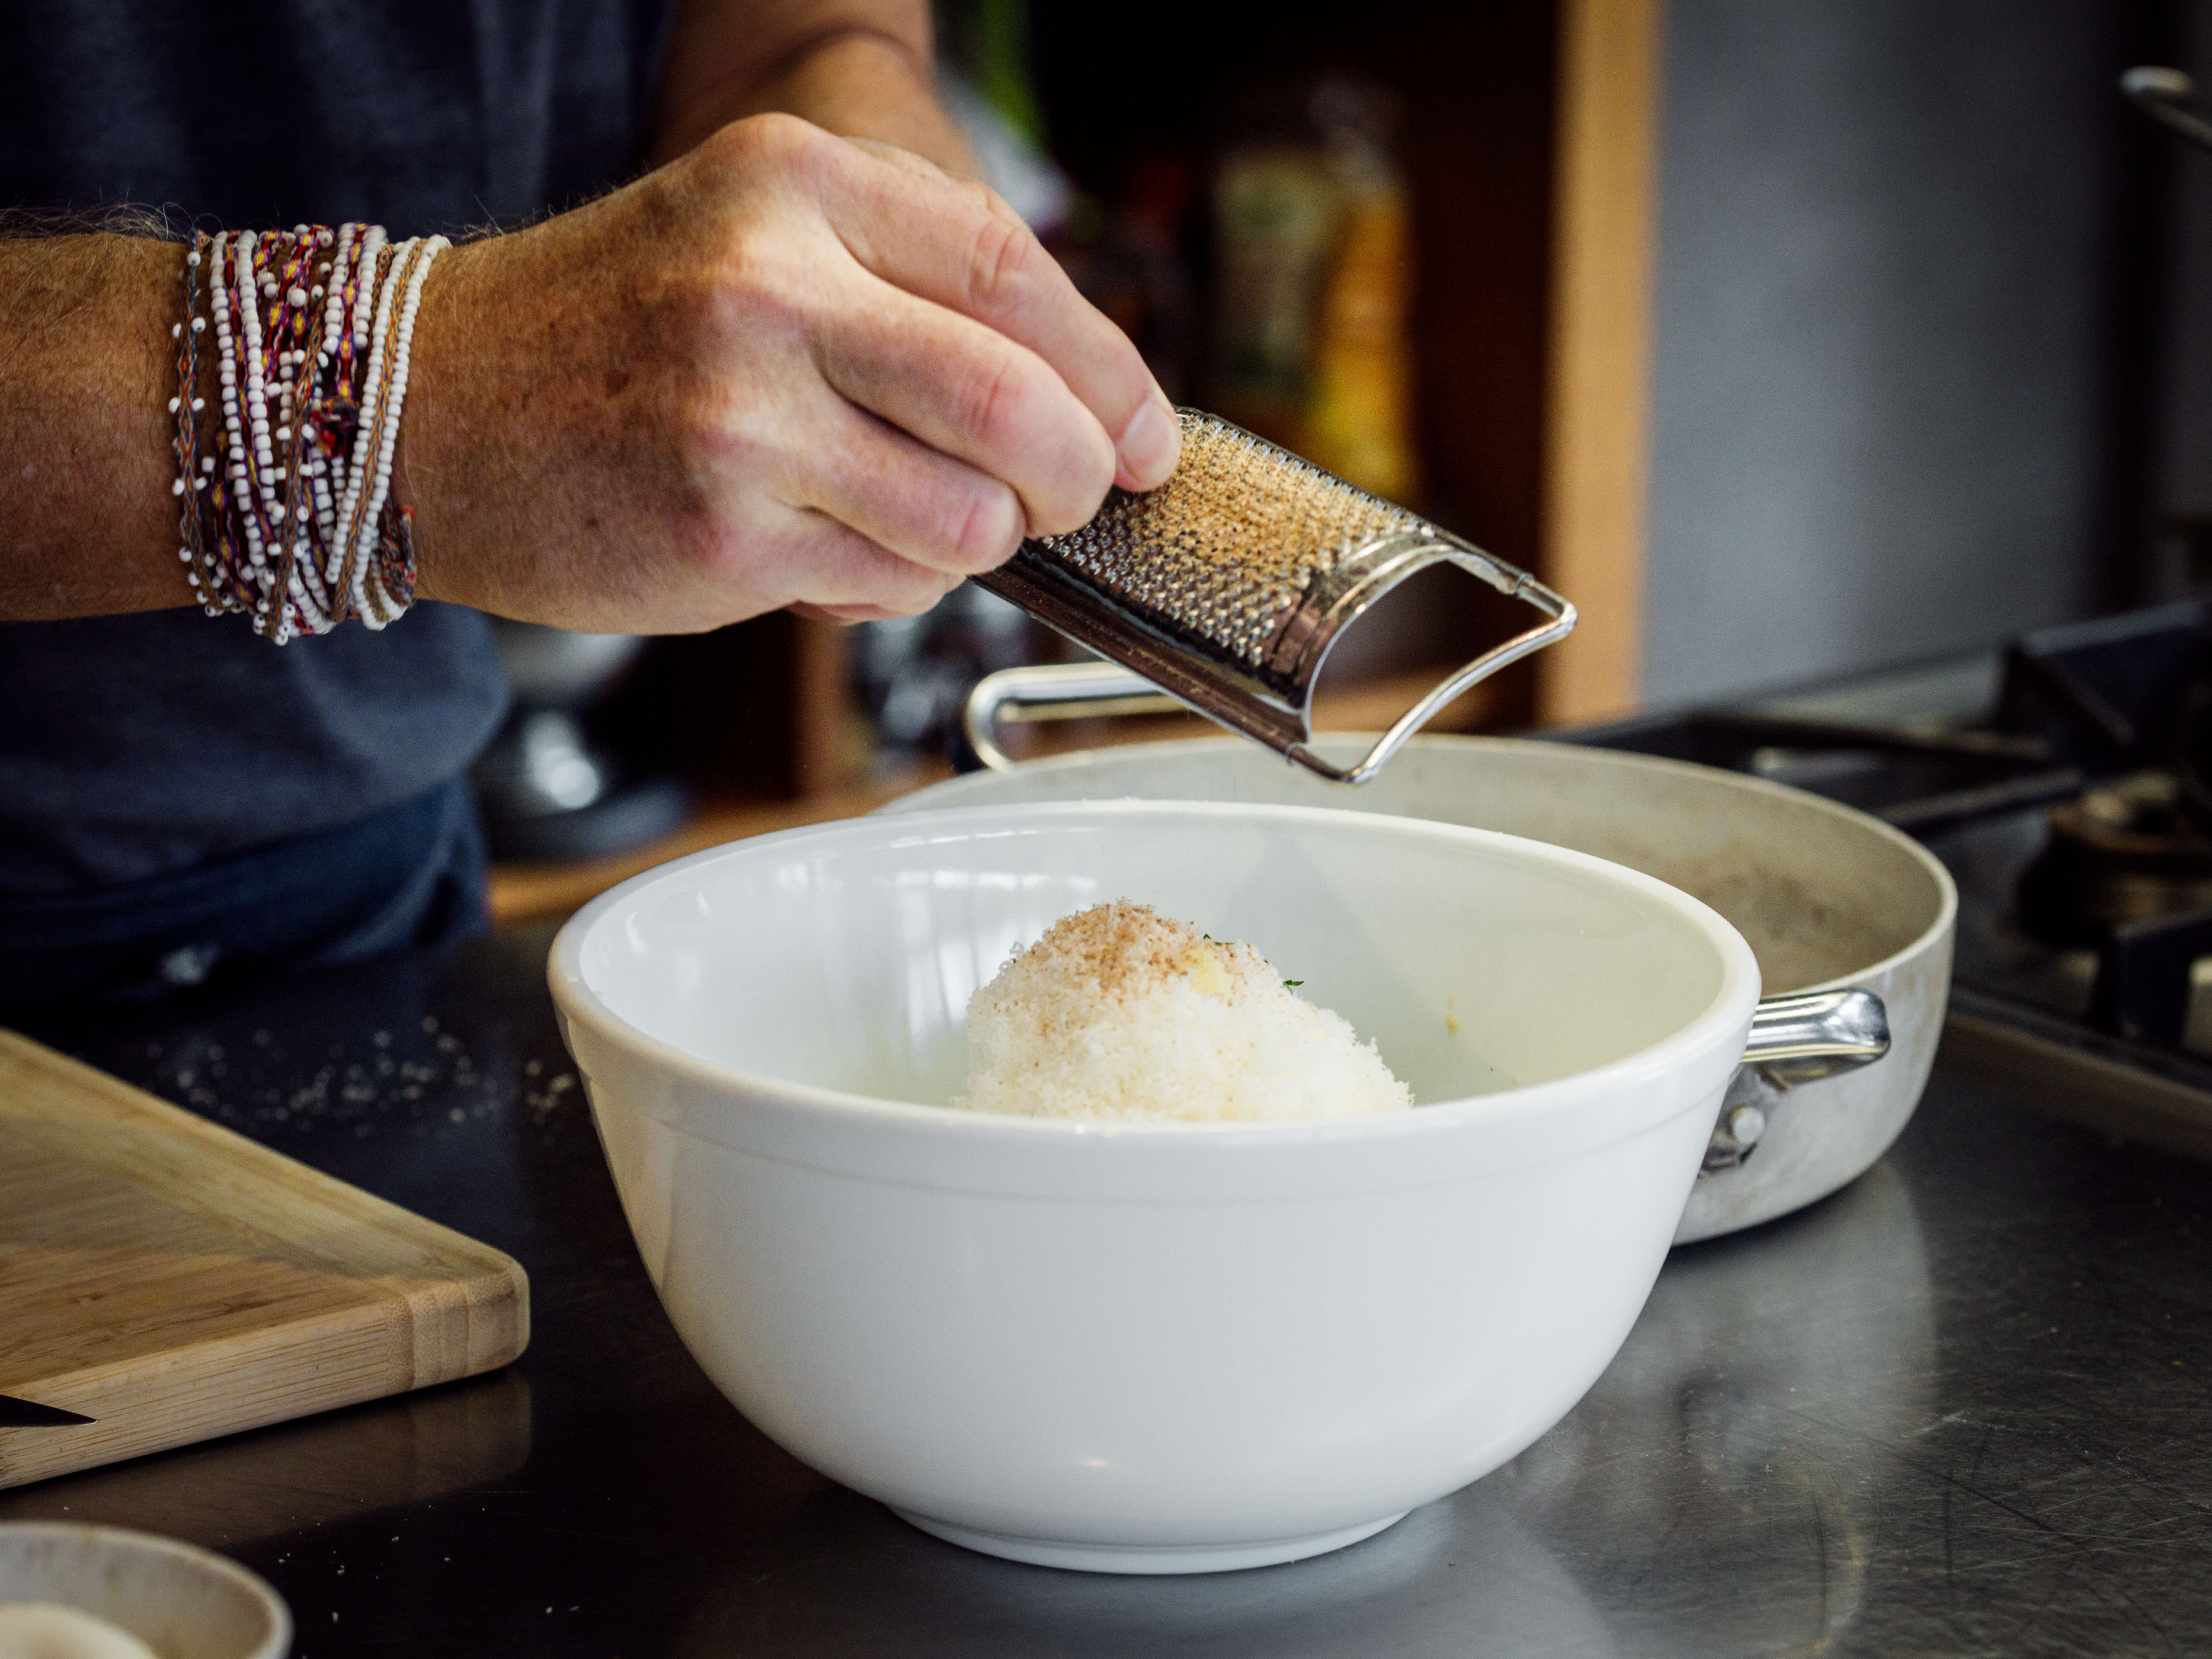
191, 480
290, 520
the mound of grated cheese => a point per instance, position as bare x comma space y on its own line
1120, 1013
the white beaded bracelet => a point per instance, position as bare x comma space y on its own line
294, 523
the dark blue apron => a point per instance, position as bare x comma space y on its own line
409, 876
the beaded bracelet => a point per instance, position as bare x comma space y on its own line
291, 520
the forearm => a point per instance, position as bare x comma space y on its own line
88, 521
860, 70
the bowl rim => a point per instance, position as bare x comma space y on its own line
1729, 1010
1850, 818
276, 1638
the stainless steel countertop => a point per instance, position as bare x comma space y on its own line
1960, 1408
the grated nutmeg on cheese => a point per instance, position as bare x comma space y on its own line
1121, 1013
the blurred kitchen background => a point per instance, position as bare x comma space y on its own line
1789, 341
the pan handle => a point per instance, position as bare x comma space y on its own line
2167, 96
1054, 692
1794, 1039
1817, 1033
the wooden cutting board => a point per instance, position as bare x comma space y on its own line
173, 1281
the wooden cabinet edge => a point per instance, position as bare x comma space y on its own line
1597, 416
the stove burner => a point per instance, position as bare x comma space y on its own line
2113, 718
2126, 852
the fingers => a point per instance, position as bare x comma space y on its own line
840, 574
957, 245
976, 396
910, 499
845, 615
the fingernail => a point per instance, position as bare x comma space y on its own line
1150, 444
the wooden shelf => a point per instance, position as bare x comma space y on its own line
1597, 399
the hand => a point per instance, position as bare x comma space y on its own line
786, 369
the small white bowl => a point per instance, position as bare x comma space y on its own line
1151, 1347
182, 1601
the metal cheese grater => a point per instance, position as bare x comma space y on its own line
1227, 585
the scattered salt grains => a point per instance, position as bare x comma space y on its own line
414, 1085
1119, 1012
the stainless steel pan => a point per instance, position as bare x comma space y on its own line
1851, 920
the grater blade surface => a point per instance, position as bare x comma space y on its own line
1228, 584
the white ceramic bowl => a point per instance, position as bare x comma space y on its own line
1168, 1347
183, 1601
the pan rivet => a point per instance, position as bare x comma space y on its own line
1746, 1124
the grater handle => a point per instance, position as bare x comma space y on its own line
1080, 691
1054, 690
1513, 583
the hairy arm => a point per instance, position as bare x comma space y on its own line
88, 524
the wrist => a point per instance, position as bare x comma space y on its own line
437, 379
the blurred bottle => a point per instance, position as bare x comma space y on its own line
1360, 416
1314, 264
1274, 223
